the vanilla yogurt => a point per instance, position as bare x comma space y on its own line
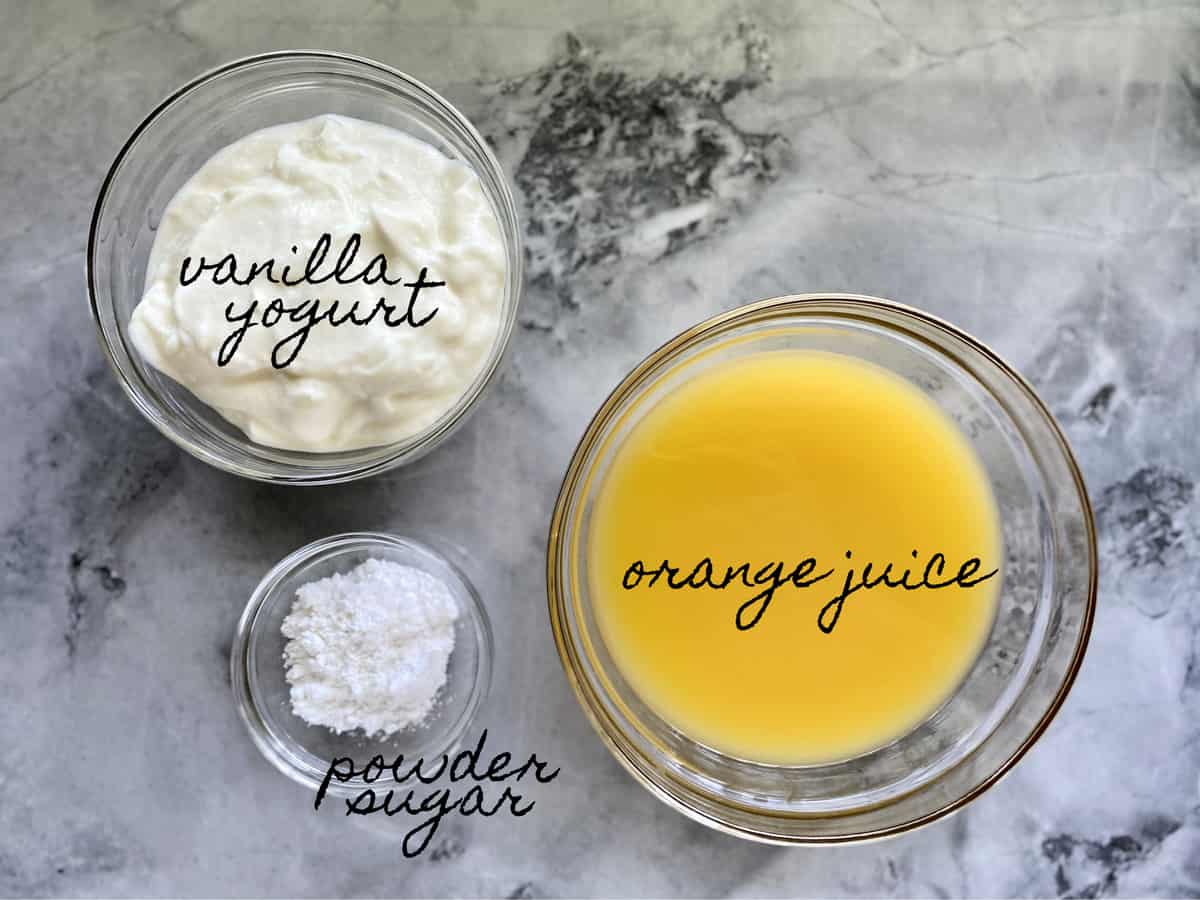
338, 355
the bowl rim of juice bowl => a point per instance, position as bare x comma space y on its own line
240, 94
697, 780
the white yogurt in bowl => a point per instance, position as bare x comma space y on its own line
325, 285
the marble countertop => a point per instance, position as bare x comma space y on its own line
1028, 170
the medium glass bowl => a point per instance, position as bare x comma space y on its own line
174, 141
1021, 676
304, 752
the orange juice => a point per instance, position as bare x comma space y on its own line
732, 526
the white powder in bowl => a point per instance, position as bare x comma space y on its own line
369, 649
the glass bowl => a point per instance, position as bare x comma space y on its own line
303, 752
174, 141
1013, 689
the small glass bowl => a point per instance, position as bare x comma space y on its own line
174, 141
304, 752
1021, 676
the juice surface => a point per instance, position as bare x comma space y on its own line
778, 457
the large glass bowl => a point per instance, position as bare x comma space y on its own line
174, 141
1021, 676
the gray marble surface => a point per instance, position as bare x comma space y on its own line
1029, 170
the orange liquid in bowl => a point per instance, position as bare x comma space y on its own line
779, 458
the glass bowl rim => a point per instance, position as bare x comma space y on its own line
634, 383
146, 399
239, 653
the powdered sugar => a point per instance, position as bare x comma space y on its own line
369, 649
